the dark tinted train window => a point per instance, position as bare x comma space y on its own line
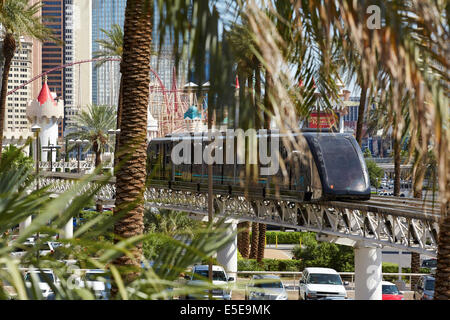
342, 164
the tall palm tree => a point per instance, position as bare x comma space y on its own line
132, 149
18, 18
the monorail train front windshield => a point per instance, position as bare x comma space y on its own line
342, 166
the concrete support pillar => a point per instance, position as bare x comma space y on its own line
227, 256
24, 224
68, 230
368, 273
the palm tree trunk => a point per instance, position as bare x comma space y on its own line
267, 104
261, 242
418, 177
361, 111
259, 119
397, 162
442, 290
130, 178
267, 119
244, 238
255, 239
9, 47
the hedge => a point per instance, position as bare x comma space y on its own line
269, 265
287, 237
393, 268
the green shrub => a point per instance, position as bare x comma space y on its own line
269, 265
287, 237
393, 268
324, 254
152, 246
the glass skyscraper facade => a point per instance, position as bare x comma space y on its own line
105, 79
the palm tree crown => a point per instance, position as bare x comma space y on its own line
93, 125
112, 46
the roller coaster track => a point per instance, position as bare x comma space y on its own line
63, 66
403, 223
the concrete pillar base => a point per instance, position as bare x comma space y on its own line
68, 230
368, 273
227, 256
24, 224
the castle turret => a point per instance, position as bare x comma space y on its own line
45, 111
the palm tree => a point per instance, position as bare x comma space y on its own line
132, 149
18, 18
93, 124
112, 46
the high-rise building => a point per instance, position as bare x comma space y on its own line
16, 126
82, 37
36, 59
106, 78
77, 39
70, 22
53, 53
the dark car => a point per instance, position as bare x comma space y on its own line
429, 263
424, 288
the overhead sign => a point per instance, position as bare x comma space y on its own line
322, 120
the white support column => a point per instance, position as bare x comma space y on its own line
227, 256
68, 230
24, 224
368, 273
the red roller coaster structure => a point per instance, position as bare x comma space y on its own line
171, 109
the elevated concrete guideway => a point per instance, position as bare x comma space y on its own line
402, 223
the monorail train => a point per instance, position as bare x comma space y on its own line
323, 166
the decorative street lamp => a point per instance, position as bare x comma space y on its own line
36, 129
116, 133
79, 143
51, 147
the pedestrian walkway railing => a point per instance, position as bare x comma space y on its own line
291, 278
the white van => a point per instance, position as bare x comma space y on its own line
320, 283
199, 276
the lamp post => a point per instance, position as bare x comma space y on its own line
51, 147
79, 143
116, 133
36, 129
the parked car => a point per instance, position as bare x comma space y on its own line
390, 291
265, 287
42, 278
22, 250
430, 263
98, 281
45, 248
334, 298
321, 282
424, 288
199, 276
